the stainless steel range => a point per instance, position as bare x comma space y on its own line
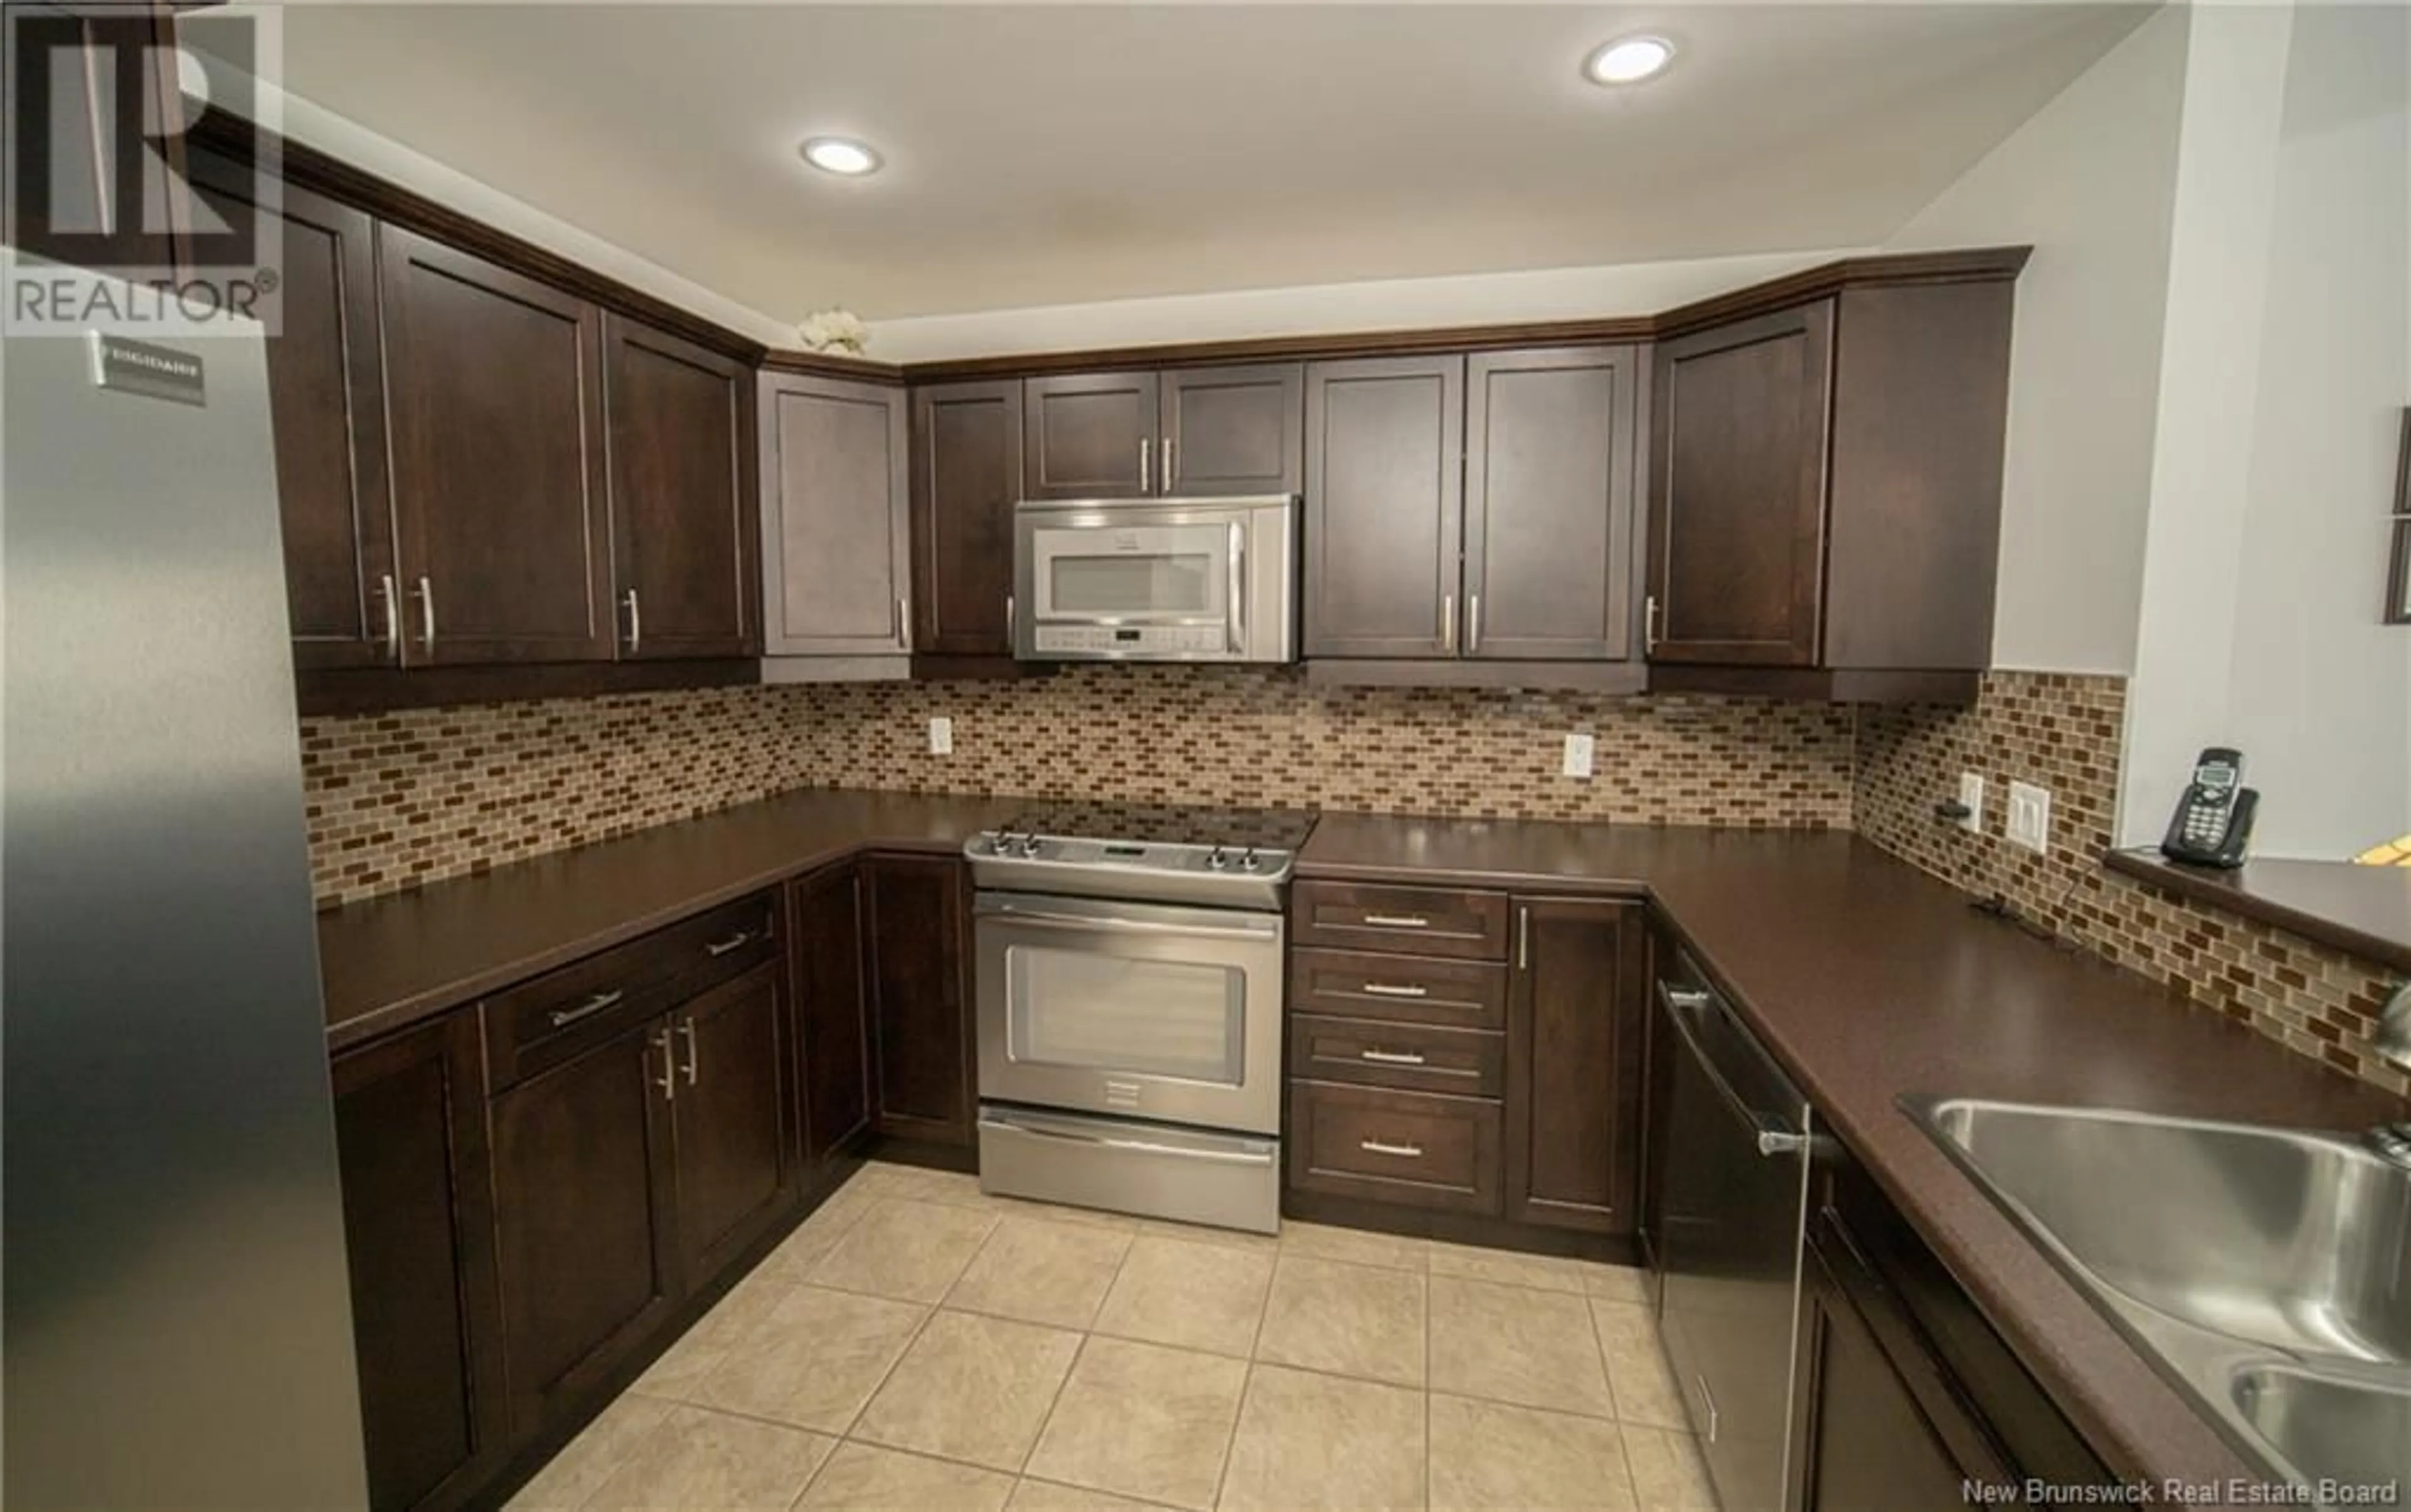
1129, 965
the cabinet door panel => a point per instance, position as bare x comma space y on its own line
832, 1031
583, 1180
966, 476
915, 913
1091, 435
683, 520
1738, 492
494, 383
1573, 1070
1234, 430
834, 518
1549, 513
731, 1129
1384, 506
326, 397
410, 1132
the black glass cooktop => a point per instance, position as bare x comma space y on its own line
1167, 824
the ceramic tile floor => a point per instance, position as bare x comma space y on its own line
918, 1344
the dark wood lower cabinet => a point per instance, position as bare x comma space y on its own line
418, 1222
583, 1184
914, 922
832, 1037
730, 1117
1573, 1063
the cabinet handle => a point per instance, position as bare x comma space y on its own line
427, 615
1168, 444
1472, 623
1145, 468
693, 1054
1523, 939
1448, 622
1011, 625
660, 1040
391, 592
904, 622
1391, 1057
1649, 625
1398, 922
1382, 1147
563, 1018
635, 622
722, 948
1395, 990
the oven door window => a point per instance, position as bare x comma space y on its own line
1101, 1012
1163, 572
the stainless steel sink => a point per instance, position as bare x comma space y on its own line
2267, 1272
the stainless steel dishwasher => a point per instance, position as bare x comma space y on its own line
1737, 1181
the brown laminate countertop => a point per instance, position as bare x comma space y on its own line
2363, 910
1868, 980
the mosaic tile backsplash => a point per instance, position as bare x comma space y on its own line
396, 801
2062, 730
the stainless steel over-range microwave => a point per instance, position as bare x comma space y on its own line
1155, 580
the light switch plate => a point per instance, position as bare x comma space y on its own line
2029, 817
1580, 750
941, 735
1971, 797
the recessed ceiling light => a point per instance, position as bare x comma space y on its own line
840, 154
1628, 59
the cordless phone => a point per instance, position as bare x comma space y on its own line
2213, 824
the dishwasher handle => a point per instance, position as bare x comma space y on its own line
1774, 1136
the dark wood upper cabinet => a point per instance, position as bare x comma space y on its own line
326, 388
966, 473
1550, 464
731, 1099
836, 565
914, 924
1825, 491
683, 513
1234, 430
419, 1224
832, 1030
1574, 1063
1737, 506
1091, 435
494, 385
1384, 506
584, 1185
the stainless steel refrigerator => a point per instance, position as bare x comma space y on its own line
174, 1317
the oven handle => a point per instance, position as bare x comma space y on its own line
1149, 1147
1130, 926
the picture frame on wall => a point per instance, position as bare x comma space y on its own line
2398, 576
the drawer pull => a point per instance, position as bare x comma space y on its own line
735, 941
1382, 1147
1395, 990
563, 1018
1398, 922
1391, 1057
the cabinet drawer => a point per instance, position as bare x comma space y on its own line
1426, 922
1356, 984
543, 1022
1468, 1063
1400, 1147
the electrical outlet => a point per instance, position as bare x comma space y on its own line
2029, 816
941, 735
1971, 797
1580, 749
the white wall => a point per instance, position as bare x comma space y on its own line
2089, 182
2287, 362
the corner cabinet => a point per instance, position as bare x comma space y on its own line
1825, 492
836, 556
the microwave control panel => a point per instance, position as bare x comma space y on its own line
1152, 640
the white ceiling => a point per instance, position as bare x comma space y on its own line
1055, 154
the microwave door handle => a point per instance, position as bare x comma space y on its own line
1238, 615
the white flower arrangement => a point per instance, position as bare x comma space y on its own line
835, 330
